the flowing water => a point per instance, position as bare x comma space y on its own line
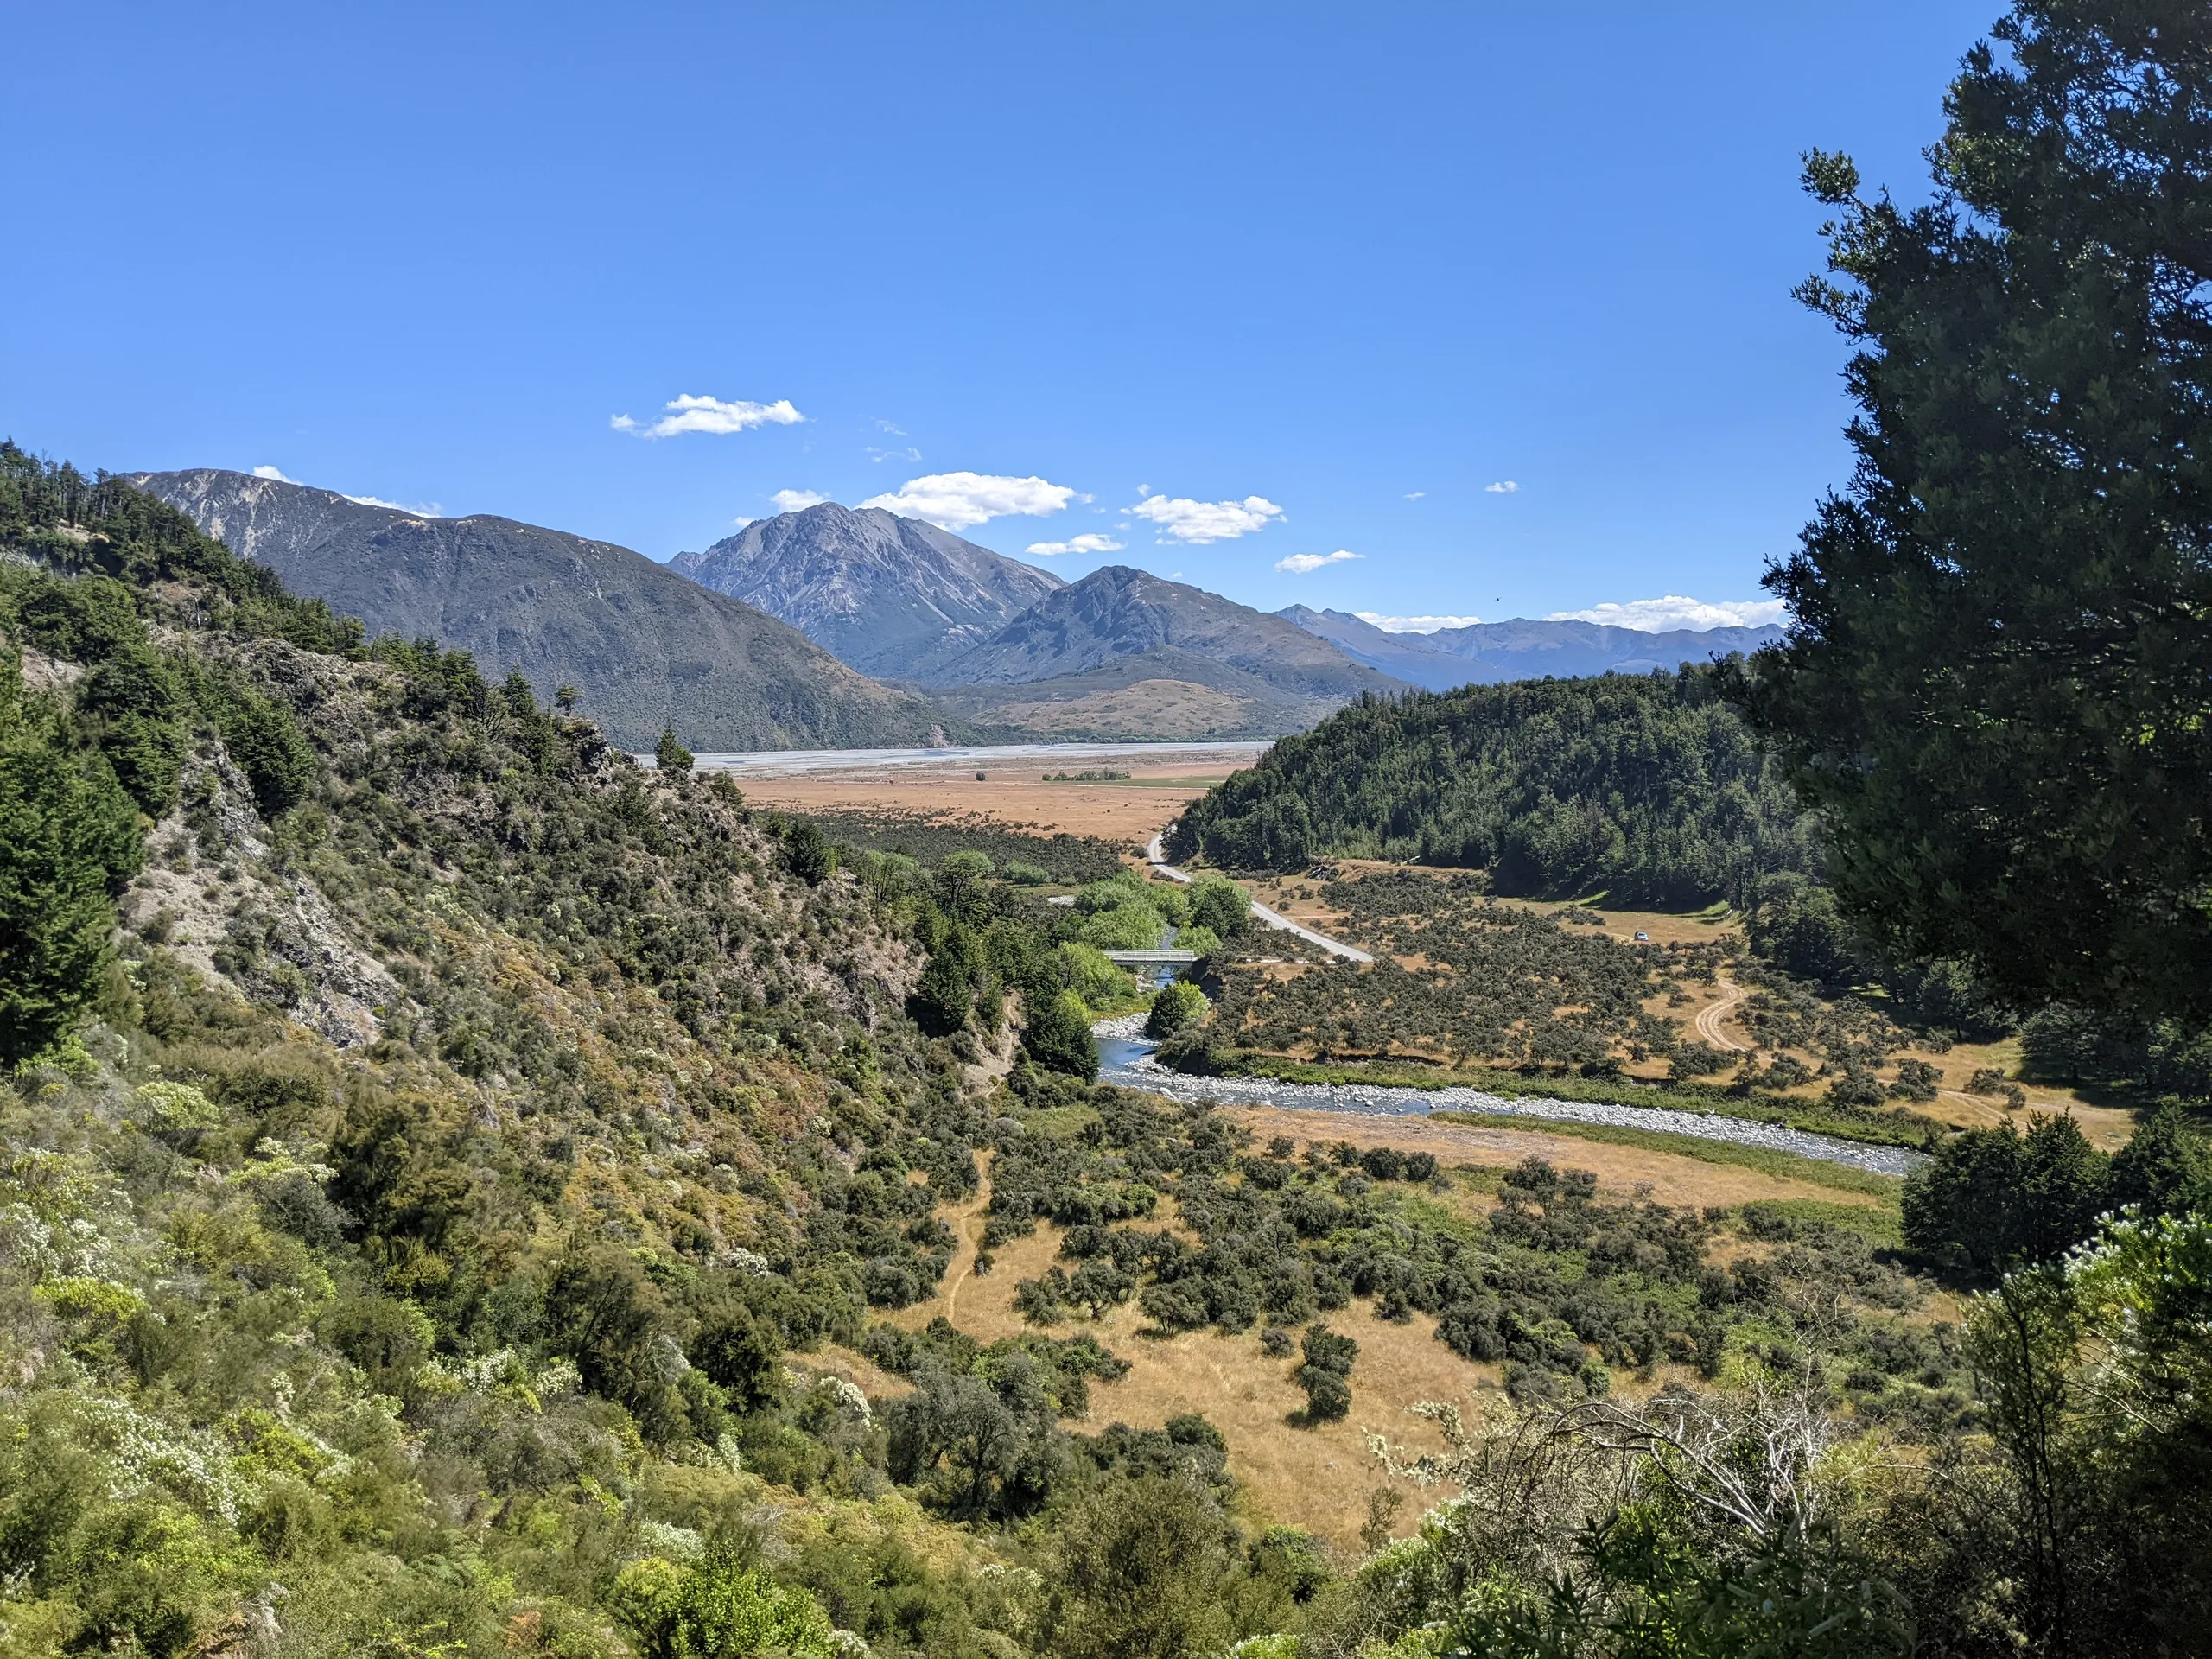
1125, 1057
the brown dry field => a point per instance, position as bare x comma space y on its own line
1128, 813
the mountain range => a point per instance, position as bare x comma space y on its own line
645, 645
1487, 653
883, 593
1127, 647
784, 634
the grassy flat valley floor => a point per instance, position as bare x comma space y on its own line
1014, 794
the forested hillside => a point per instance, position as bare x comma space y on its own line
1647, 787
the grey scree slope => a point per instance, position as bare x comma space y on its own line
643, 644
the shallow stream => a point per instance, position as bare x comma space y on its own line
1125, 1057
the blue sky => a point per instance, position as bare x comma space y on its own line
1301, 280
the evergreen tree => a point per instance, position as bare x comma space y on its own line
669, 755
69, 842
1998, 689
1057, 1036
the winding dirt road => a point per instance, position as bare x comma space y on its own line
1709, 1019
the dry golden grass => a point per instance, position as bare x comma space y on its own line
1129, 814
1318, 1477
1622, 1172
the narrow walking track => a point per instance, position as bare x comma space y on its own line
1156, 854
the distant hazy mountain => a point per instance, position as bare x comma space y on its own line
880, 591
1128, 625
644, 645
1485, 653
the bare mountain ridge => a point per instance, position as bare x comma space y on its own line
1487, 653
880, 592
645, 645
1129, 624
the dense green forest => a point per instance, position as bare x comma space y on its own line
1649, 788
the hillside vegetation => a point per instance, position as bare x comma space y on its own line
1649, 788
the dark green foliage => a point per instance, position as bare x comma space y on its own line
68, 843
133, 706
2165, 1168
101, 527
945, 996
1057, 1036
1995, 692
2068, 1043
262, 738
807, 854
1222, 907
740, 1353
1992, 1199
1175, 1007
669, 755
1327, 1374
1648, 788
1065, 858
1140, 1573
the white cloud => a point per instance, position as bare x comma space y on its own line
689, 414
957, 500
885, 426
876, 455
419, 509
1300, 564
1503, 487
796, 501
1182, 520
1413, 624
1084, 543
1674, 611
1415, 495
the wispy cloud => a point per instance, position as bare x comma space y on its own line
1415, 495
712, 414
882, 425
1086, 544
1179, 518
1675, 611
1300, 564
957, 500
1413, 624
415, 509
876, 455
796, 500
1503, 487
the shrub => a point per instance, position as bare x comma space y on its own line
1057, 1037
718, 1609
1219, 905
1175, 1007
669, 755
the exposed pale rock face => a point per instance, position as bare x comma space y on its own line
881, 592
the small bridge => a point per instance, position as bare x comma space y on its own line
1151, 958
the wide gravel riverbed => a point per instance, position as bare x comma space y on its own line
1125, 1057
